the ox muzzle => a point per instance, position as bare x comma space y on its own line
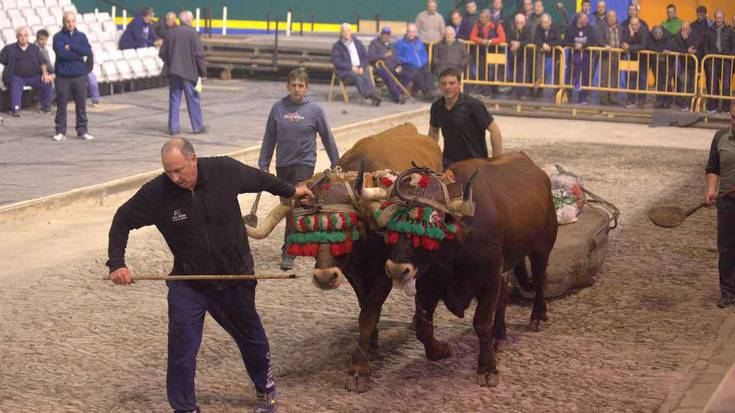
403, 276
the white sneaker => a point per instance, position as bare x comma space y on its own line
59, 137
87, 137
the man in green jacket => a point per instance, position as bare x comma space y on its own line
672, 24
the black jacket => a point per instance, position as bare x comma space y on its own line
638, 41
182, 53
679, 44
659, 45
204, 227
552, 38
10, 52
710, 42
584, 35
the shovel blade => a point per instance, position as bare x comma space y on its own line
251, 220
667, 216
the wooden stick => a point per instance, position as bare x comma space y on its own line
210, 277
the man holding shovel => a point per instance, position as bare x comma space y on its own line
291, 131
721, 178
194, 206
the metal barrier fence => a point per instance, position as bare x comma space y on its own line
667, 75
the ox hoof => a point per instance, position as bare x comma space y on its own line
501, 344
536, 324
357, 382
489, 379
439, 351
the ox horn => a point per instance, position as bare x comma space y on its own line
465, 206
270, 222
360, 178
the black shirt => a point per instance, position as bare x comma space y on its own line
463, 128
204, 227
27, 62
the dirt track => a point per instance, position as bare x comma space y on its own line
72, 343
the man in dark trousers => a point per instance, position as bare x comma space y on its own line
183, 57
139, 33
194, 206
350, 62
290, 131
721, 178
686, 41
635, 40
25, 65
71, 48
463, 121
718, 71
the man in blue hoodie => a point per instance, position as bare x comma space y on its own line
291, 130
71, 47
414, 61
139, 33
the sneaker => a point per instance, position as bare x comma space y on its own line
266, 402
45, 110
95, 104
15, 113
201, 131
725, 302
59, 137
287, 263
86, 137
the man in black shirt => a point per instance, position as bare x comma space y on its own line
463, 121
25, 66
194, 206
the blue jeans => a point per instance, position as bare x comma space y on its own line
234, 309
393, 88
362, 82
94, 87
16, 90
193, 104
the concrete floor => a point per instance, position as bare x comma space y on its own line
130, 128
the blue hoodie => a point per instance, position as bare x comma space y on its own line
70, 63
291, 130
137, 35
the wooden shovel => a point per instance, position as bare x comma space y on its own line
671, 216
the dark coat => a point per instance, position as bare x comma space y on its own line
679, 44
341, 57
710, 41
72, 62
450, 55
134, 36
552, 38
9, 54
659, 45
584, 35
160, 29
465, 28
638, 41
183, 54
377, 50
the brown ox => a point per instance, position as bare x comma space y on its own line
364, 267
514, 218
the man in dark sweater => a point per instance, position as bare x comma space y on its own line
609, 35
468, 21
450, 53
688, 42
139, 33
661, 65
718, 41
381, 49
71, 48
291, 130
350, 62
194, 206
183, 57
720, 175
701, 26
635, 40
546, 38
25, 66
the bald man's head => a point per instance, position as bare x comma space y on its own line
70, 21
185, 17
180, 162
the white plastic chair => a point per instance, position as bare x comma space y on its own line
70, 8
109, 46
105, 37
89, 18
48, 20
57, 12
10, 4
94, 27
151, 66
52, 29
8, 36
139, 71
82, 28
130, 54
23, 3
50, 3
92, 36
126, 72
37, 3
109, 71
33, 20
36, 28
116, 55
109, 27
27, 11
103, 17
64, 2
13, 13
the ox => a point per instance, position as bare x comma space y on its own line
361, 262
512, 218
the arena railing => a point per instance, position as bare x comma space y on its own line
716, 80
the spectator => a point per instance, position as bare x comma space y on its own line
161, 27
71, 48
686, 42
414, 63
580, 36
350, 61
701, 26
430, 24
586, 9
468, 21
94, 89
455, 20
546, 37
518, 37
496, 13
635, 39
720, 176
633, 12
184, 65
450, 53
526, 10
381, 49
25, 65
291, 131
609, 35
487, 36
661, 65
599, 17
672, 24
718, 41
139, 33
534, 19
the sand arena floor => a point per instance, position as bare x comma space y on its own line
73, 343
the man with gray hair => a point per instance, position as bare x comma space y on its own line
183, 57
350, 61
430, 24
25, 66
194, 206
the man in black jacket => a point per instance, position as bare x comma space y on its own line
635, 40
610, 36
686, 41
661, 65
546, 38
518, 36
194, 206
718, 41
25, 66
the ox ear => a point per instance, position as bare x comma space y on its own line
360, 178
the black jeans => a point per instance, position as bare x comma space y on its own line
726, 245
293, 174
68, 88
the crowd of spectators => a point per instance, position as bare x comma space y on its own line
465, 37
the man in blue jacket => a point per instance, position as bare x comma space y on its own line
139, 33
350, 61
71, 47
414, 61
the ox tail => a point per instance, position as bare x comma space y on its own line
520, 272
